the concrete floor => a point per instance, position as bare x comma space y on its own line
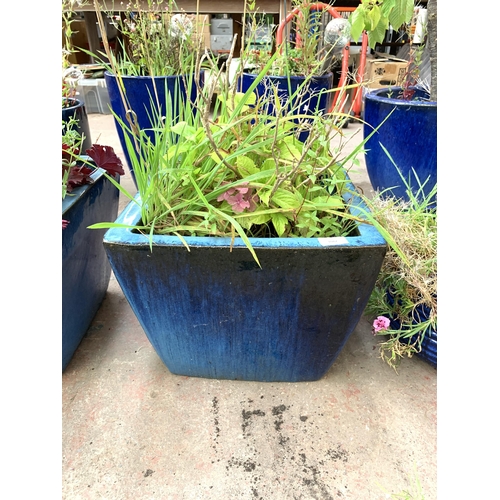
132, 430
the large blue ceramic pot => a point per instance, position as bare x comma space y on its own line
74, 108
410, 136
149, 98
85, 266
310, 98
213, 312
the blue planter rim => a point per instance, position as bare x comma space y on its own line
141, 77
380, 95
292, 77
77, 103
368, 234
79, 192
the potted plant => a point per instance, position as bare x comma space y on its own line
404, 300
244, 253
310, 58
155, 67
405, 117
87, 197
73, 109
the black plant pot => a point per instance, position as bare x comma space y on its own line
76, 109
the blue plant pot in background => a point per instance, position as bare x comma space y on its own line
85, 266
312, 98
213, 312
77, 110
148, 97
429, 342
410, 137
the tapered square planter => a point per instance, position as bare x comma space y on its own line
213, 312
85, 266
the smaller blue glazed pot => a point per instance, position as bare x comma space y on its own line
410, 136
313, 98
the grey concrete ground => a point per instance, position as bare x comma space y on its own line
132, 430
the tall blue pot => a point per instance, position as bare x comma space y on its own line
85, 266
212, 312
410, 136
148, 97
313, 98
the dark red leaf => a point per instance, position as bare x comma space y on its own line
79, 176
106, 158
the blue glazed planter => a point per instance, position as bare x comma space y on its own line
313, 97
148, 97
77, 110
410, 137
85, 266
212, 312
429, 342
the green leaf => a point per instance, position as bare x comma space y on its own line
256, 218
216, 157
175, 150
374, 16
264, 196
287, 200
328, 202
401, 13
357, 19
246, 166
239, 99
289, 152
279, 223
387, 6
184, 130
377, 35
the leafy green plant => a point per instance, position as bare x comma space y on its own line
294, 59
76, 168
68, 74
404, 300
236, 171
157, 40
376, 16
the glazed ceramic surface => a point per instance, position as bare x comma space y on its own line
213, 312
410, 136
85, 266
148, 97
311, 98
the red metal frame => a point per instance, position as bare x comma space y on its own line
345, 54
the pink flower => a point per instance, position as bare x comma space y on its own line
380, 324
240, 198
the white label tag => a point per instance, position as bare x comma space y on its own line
332, 241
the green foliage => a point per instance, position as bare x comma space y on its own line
71, 146
158, 42
409, 270
375, 16
292, 59
225, 168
